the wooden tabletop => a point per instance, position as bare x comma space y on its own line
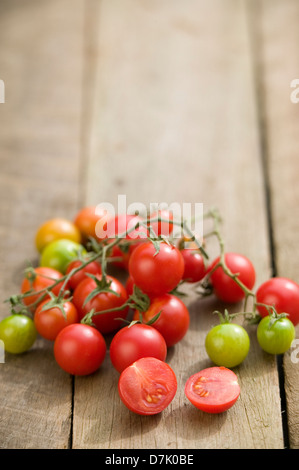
161, 101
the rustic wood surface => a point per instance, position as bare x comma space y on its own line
161, 101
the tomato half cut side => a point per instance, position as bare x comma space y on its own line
147, 386
213, 390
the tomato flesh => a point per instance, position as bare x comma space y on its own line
213, 390
147, 386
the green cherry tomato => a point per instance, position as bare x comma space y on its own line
59, 253
18, 333
227, 344
275, 337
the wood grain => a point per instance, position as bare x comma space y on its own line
41, 65
276, 27
174, 119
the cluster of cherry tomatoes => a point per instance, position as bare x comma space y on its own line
71, 300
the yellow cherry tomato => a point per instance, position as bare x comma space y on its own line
56, 229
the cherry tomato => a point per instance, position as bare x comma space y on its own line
276, 337
156, 273
195, 269
91, 268
106, 322
86, 221
281, 293
18, 333
56, 229
60, 253
174, 319
226, 288
135, 341
213, 390
227, 344
51, 321
147, 386
44, 278
79, 349
129, 286
123, 250
164, 227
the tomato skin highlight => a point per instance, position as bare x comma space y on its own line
226, 288
55, 229
147, 386
106, 322
174, 320
275, 339
281, 293
213, 390
227, 344
156, 273
134, 342
79, 349
50, 322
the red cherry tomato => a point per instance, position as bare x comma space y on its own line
281, 293
129, 286
75, 279
79, 349
174, 319
195, 269
156, 273
226, 288
45, 277
118, 226
135, 341
213, 390
106, 322
51, 321
147, 386
164, 227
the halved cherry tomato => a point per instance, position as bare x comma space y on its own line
91, 268
281, 293
213, 390
156, 273
225, 288
135, 341
79, 349
147, 386
174, 318
51, 321
44, 278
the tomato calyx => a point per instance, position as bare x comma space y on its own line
102, 285
138, 300
56, 302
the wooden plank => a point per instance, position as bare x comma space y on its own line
41, 66
174, 120
276, 27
